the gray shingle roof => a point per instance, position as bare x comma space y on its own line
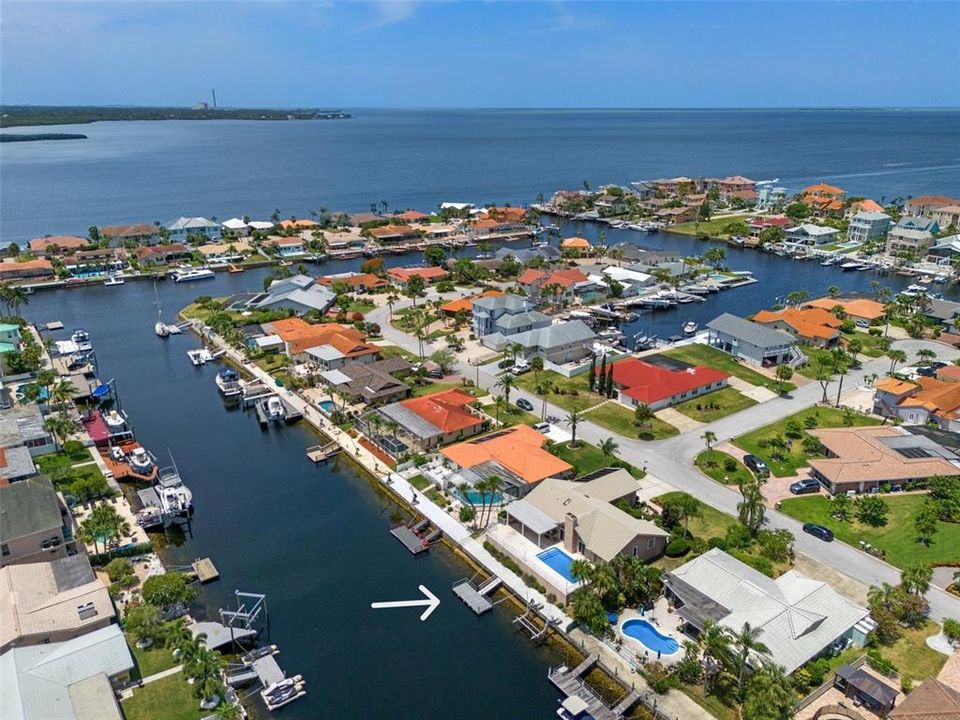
28, 507
749, 332
555, 335
508, 302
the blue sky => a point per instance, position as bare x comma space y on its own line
482, 54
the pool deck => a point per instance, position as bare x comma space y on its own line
666, 623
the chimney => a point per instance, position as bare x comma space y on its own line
570, 533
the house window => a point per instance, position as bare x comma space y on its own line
5, 549
651, 543
634, 550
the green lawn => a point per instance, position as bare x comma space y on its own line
713, 227
911, 654
153, 659
511, 415
567, 393
419, 482
897, 538
54, 463
715, 405
585, 458
273, 362
169, 698
698, 354
389, 351
712, 464
871, 344
360, 306
795, 456
710, 523
433, 387
615, 417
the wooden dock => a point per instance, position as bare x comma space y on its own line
205, 569
579, 694
413, 542
318, 453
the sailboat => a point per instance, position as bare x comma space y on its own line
159, 328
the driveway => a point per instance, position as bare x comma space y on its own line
681, 422
754, 392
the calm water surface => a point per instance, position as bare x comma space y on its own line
147, 171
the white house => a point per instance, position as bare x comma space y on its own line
868, 226
810, 235
184, 229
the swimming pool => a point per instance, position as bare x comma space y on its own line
327, 406
557, 560
650, 637
475, 497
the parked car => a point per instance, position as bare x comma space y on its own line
757, 465
862, 324
927, 371
818, 531
542, 427
505, 363
520, 367
525, 404
805, 486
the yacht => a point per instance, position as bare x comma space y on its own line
274, 409
690, 328
188, 275
141, 461
113, 280
852, 265
81, 338
175, 497
228, 382
114, 421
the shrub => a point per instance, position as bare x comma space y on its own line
879, 662
730, 465
467, 513
738, 537
906, 684
951, 628
677, 547
760, 564
118, 568
717, 542
76, 450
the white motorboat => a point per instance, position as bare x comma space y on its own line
141, 461
113, 280
257, 653
852, 265
199, 357
275, 411
175, 497
690, 328
114, 420
161, 329
190, 274
284, 696
81, 338
228, 382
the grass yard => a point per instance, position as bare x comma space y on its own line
911, 654
585, 458
420, 390
714, 464
715, 405
715, 227
698, 354
615, 417
169, 698
151, 660
390, 351
563, 389
795, 456
419, 482
897, 538
272, 363
511, 415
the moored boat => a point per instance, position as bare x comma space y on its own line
690, 328
228, 382
188, 275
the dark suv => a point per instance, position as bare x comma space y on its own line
818, 531
805, 486
757, 465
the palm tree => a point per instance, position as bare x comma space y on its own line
142, 622
506, 383
881, 597
916, 578
896, 356
16, 297
110, 523
574, 418
717, 649
465, 495
391, 299
498, 402
608, 447
207, 685
709, 437
89, 533
833, 291
62, 393
751, 510
841, 364
582, 570
769, 695
492, 485
536, 365
228, 711
177, 636
746, 643
687, 506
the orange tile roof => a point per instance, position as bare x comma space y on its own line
445, 410
366, 279
809, 323
566, 278
519, 450
485, 223
412, 215
507, 214
933, 200
576, 243
129, 230
466, 303
61, 241
389, 230
950, 373
298, 224
894, 386
937, 396
40, 264
861, 308
531, 276
867, 205
301, 335
823, 189
427, 273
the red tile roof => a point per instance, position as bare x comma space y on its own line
531, 276
445, 410
427, 273
809, 323
775, 221
651, 383
412, 215
64, 242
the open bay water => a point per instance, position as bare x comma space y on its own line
157, 171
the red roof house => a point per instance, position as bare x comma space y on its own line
429, 274
642, 382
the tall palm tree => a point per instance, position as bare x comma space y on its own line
536, 365
841, 364
62, 393
177, 636
751, 510
717, 649
709, 437
492, 485
207, 685
882, 596
916, 578
896, 356
573, 419
608, 447
506, 383
17, 297
746, 643
392, 298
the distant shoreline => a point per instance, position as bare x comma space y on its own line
35, 137
31, 116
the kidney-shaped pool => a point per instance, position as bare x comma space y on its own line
650, 637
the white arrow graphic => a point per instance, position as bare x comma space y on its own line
430, 600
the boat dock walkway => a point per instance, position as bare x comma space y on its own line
477, 598
218, 634
410, 537
571, 684
318, 453
205, 569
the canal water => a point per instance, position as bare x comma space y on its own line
315, 540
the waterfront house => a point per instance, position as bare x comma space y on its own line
734, 186
372, 383
575, 520
436, 231
162, 254
945, 250
9, 343
811, 235
56, 245
400, 275
11, 269
674, 186
505, 315
130, 235
823, 199
865, 205
286, 246
932, 700
356, 282
414, 216
640, 382
924, 400
295, 224
862, 459
813, 326
101, 260
861, 309
948, 217
16, 463
298, 293
868, 226
912, 235
559, 343
72, 680
525, 255
576, 247
672, 216
636, 276
46, 602
387, 234
225, 252
642, 190
797, 618
515, 455
23, 426
609, 204
421, 424
328, 345
362, 218
770, 197
35, 525
465, 304
507, 214
927, 205
759, 224
750, 341
484, 227
556, 287
562, 198
185, 230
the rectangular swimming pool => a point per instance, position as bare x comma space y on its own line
557, 560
